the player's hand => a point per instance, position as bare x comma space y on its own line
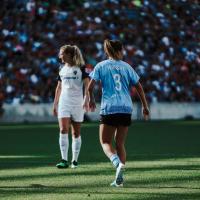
92, 106
145, 112
86, 104
86, 107
55, 112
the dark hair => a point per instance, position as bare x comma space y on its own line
113, 48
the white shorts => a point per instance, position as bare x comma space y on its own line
76, 113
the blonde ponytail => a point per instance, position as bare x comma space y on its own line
78, 58
74, 55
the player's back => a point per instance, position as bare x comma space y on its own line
116, 77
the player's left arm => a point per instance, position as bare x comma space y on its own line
86, 96
90, 89
95, 76
142, 96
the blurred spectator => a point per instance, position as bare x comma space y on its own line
161, 40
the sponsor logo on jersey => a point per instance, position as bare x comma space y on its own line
75, 72
70, 77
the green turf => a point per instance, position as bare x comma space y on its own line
163, 162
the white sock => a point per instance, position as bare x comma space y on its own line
115, 160
76, 147
64, 145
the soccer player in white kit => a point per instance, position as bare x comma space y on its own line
69, 103
116, 77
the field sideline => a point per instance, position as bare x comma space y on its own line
163, 163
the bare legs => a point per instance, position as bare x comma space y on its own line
106, 134
117, 156
76, 129
120, 138
64, 124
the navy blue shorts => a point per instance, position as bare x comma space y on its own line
118, 119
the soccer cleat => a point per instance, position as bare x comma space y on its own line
63, 164
74, 164
115, 184
119, 176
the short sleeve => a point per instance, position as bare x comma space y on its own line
85, 74
95, 74
58, 78
134, 78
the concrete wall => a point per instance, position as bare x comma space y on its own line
43, 112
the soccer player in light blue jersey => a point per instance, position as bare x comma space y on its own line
117, 77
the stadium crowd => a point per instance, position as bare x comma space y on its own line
161, 40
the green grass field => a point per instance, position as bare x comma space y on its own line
163, 162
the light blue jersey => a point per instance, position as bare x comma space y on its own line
116, 78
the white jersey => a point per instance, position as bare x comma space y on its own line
71, 86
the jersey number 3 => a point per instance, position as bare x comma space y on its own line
117, 79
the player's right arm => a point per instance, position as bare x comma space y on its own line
56, 98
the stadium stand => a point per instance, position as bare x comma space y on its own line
161, 39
